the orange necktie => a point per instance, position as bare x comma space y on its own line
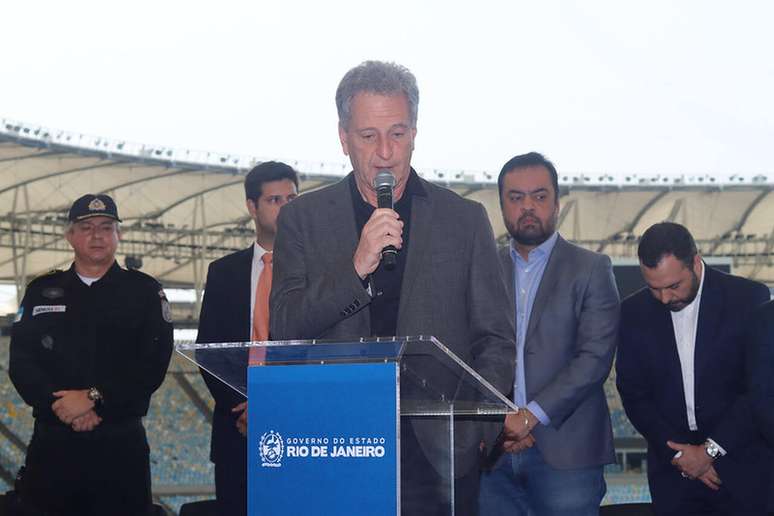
261, 311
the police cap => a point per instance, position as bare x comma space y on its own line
91, 205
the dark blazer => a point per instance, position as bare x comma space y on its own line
569, 348
761, 370
649, 380
452, 288
225, 317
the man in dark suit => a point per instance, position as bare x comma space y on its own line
230, 312
328, 282
760, 377
681, 375
761, 370
566, 307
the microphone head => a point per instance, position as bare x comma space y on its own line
384, 178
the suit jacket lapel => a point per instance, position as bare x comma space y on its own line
418, 250
710, 316
546, 288
343, 239
506, 262
242, 276
341, 220
664, 331
662, 346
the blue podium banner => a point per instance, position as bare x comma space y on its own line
322, 439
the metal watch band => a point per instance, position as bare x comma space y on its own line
711, 449
94, 395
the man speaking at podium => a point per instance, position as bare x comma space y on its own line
330, 281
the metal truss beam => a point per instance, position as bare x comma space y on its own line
158, 213
46, 154
745, 216
628, 228
182, 246
57, 174
146, 241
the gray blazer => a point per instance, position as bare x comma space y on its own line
569, 348
452, 288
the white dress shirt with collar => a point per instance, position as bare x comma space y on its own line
685, 323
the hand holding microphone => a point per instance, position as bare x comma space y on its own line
384, 184
382, 234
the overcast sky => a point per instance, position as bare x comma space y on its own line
617, 87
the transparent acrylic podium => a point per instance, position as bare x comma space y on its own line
325, 420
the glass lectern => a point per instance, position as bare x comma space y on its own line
325, 418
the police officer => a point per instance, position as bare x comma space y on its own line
89, 346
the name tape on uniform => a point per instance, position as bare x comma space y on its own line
47, 309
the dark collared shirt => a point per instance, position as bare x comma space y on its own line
386, 284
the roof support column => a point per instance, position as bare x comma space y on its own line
199, 250
763, 259
677, 208
21, 240
570, 208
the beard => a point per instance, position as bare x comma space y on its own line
679, 304
529, 230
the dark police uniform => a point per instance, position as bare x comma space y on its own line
115, 336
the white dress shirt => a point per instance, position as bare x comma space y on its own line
87, 280
685, 323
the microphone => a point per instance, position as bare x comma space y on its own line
384, 182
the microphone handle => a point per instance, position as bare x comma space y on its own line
384, 198
389, 253
389, 257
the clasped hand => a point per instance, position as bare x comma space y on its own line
518, 431
694, 463
241, 422
74, 408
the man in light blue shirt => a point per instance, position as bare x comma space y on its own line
566, 310
529, 272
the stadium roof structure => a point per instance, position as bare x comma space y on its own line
182, 209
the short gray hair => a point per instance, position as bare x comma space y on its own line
71, 223
376, 77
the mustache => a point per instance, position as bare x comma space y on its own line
528, 216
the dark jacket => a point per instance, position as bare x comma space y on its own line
115, 335
452, 288
225, 317
649, 379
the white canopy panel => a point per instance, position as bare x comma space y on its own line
182, 209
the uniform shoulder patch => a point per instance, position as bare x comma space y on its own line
166, 310
53, 292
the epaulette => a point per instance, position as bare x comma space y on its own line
45, 274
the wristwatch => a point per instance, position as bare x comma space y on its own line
94, 395
712, 449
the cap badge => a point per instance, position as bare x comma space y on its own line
97, 205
